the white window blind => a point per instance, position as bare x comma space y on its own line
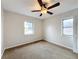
68, 26
28, 28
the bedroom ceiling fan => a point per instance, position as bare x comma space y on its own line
44, 8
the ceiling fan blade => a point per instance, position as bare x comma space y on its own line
36, 10
41, 14
49, 12
44, 5
55, 5
40, 3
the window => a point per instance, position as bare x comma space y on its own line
68, 27
28, 28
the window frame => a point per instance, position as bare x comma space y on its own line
62, 19
32, 28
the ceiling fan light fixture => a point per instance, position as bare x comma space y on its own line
47, 1
43, 11
45, 8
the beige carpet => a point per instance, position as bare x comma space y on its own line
40, 50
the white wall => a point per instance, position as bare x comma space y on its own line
2, 32
14, 29
53, 29
75, 34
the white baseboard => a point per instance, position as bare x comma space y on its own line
2, 52
75, 51
59, 45
22, 44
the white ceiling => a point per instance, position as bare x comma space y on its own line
25, 6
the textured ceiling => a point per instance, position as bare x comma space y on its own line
25, 6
